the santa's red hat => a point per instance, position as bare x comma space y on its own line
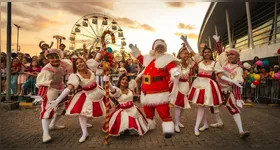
156, 43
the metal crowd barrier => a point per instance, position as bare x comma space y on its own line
268, 89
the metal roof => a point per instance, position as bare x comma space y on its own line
216, 15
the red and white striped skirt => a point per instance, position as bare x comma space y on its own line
82, 104
127, 117
205, 92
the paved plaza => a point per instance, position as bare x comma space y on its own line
22, 129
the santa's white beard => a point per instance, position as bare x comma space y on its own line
158, 54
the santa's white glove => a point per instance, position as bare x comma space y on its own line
216, 37
240, 103
106, 78
37, 99
232, 81
54, 104
135, 52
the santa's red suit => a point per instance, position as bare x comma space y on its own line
155, 85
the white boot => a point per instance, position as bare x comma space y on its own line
219, 123
168, 129
53, 123
151, 124
205, 124
177, 129
45, 125
89, 125
181, 125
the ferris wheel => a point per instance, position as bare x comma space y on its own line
89, 29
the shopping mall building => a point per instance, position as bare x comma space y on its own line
250, 27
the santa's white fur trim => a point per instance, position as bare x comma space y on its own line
154, 99
147, 59
151, 124
164, 60
168, 127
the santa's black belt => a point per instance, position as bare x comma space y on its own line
148, 79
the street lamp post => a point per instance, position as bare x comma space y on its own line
17, 35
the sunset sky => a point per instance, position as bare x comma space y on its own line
142, 22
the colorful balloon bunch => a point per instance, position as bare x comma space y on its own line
107, 58
263, 63
254, 80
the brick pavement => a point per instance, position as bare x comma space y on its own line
22, 129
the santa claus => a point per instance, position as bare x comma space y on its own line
160, 68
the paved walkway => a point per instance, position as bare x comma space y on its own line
22, 129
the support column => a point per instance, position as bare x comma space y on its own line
275, 23
209, 42
250, 33
0, 52
228, 29
216, 30
9, 47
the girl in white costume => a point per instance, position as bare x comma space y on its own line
181, 101
126, 117
229, 61
204, 91
88, 100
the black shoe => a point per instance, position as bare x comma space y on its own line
168, 135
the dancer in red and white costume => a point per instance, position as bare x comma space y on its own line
88, 100
126, 118
50, 84
205, 91
181, 101
155, 95
232, 93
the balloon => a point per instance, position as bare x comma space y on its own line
259, 63
256, 82
252, 75
109, 50
265, 63
247, 65
257, 77
253, 85
278, 51
252, 79
277, 76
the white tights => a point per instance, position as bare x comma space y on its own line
177, 115
200, 115
83, 123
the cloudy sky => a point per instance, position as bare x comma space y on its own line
142, 22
